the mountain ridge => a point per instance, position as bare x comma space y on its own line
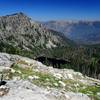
22, 32
84, 32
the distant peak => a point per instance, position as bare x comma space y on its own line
19, 13
16, 14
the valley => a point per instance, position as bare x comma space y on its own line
49, 57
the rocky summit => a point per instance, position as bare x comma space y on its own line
28, 79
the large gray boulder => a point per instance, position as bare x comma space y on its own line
24, 90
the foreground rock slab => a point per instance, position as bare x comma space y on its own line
24, 90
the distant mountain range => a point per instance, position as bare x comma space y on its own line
19, 31
84, 32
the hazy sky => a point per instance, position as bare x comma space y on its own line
44, 10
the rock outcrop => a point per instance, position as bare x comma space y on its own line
20, 32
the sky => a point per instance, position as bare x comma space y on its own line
45, 10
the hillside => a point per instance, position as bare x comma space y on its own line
27, 78
82, 32
18, 33
22, 36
